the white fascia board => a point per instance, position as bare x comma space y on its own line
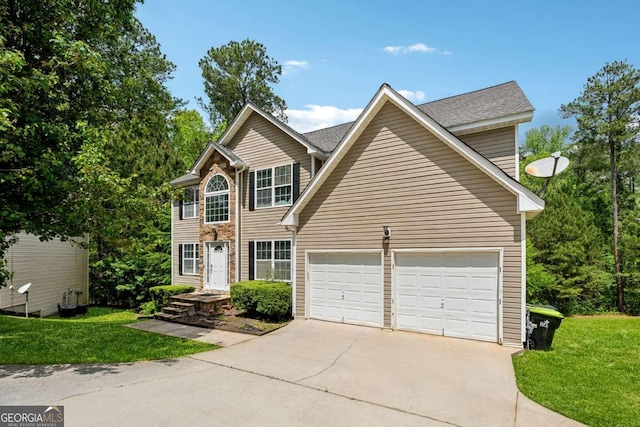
527, 200
244, 114
524, 117
291, 217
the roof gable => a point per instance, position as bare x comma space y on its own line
227, 136
193, 175
499, 105
527, 200
251, 108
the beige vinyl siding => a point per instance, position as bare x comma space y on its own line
52, 268
261, 144
184, 231
497, 145
398, 174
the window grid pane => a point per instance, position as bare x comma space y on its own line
282, 270
217, 183
283, 195
263, 250
263, 178
217, 208
190, 203
282, 249
263, 197
190, 258
283, 175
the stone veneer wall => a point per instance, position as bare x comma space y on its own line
224, 232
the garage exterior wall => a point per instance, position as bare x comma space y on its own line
398, 174
497, 145
262, 144
52, 267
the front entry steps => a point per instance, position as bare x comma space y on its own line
183, 306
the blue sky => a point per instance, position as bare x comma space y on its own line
336, 54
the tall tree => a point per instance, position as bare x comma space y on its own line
237, 73
189, 135
80, 78
608, 114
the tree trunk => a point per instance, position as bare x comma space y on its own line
616, 248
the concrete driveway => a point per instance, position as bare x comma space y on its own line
308, 373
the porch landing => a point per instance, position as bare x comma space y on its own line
194, 303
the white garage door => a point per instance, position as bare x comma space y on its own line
346, 288
450, 294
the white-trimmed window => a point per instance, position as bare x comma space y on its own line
190, 199
273, 260
216, 196
190, 258
274, 186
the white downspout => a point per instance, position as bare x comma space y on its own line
313, 166
172, 242
238, 225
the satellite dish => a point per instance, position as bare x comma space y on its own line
24, 288
547, 167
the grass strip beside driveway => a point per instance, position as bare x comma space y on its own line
593, 373
97, 337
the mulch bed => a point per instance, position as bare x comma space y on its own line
234, 320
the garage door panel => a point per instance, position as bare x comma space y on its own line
483, 283
452, 294
480, 308
352, 284
455, 282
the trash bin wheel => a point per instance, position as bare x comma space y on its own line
531, 344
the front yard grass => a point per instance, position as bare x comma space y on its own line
97, 337
593, 373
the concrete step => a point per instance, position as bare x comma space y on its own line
182, 304
176, 311
166, 317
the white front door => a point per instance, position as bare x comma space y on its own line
217, 260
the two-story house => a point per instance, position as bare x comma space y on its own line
411, 217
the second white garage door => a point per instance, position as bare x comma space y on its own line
346, 287
450, 294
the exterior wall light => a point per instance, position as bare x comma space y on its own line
386, 232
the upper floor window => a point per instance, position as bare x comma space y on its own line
274, 186
216, 195
190, 202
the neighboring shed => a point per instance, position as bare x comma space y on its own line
52, 268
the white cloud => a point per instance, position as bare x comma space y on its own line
417, 96
314, 117
292, 66
414, 48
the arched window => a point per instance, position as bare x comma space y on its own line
216, 194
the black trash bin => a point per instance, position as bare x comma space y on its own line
541, 326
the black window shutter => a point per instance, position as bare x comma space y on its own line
296, 181
180, 203
252, 192
252, 272
180, 260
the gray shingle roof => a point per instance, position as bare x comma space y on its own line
485, 104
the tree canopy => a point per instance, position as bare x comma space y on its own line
608, 117
83, 122
237, 73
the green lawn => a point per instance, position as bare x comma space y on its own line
97, 337
593, 373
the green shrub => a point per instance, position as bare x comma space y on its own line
268, 299
160, 294
148, 308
